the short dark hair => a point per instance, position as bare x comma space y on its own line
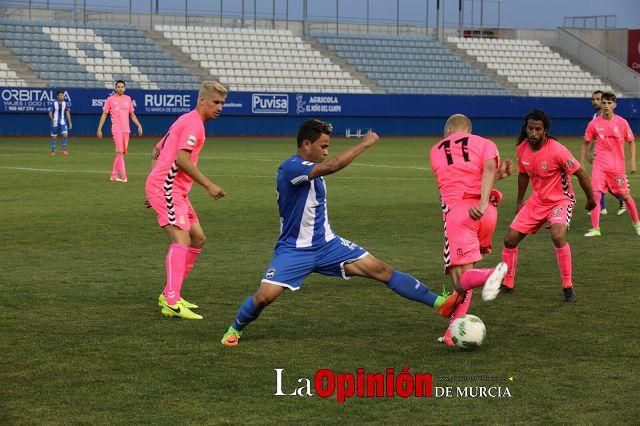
60, 91
121, 81
608, 96
312, 129
596, 92
537, 115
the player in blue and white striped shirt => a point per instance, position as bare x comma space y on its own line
60, 115
307, 243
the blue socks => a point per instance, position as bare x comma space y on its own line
247, 313
64, 142
407, 286
53, 144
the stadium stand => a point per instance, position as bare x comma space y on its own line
261, 59
69, 55
9, 77
411, 64
534, 68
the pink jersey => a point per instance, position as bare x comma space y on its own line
457, 162
187, 133
549, 170
610, 136
119, 107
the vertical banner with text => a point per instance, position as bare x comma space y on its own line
633, 55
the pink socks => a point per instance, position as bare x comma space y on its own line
510, 257
595, 213
563, 255
474, 278
118, 167
176, 265
632, 209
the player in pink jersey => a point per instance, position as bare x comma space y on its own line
175, 169
120, 106
548, 165
610, 131
596, 102
466, 167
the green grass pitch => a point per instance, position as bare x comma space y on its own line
82, 264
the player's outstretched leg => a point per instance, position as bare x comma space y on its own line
488, 279
460, 311
250, 310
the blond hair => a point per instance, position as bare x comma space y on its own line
210, 87
457, 123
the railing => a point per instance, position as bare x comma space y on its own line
591, 22
605, 65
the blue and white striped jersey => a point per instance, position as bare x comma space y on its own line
58, 109
304, 221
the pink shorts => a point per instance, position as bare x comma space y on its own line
121, 140
175, 210
532, 216
601, 181
467, 240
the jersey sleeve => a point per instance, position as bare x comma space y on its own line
189, 138
590, 132
628, 134
565, 159
519, 158
50, 107
490, 151
297, 170
107, 105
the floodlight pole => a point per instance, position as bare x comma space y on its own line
397, 17
337, 17
367, 16
255, 14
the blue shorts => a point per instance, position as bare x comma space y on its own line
291, 265
56, 130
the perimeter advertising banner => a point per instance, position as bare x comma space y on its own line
165, 102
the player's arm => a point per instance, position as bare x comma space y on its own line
136, 122
585, 184
51, 116
343, 159
586, 145
68, 114
488, 178
155, 153
504, 170
103, 118
632, 156
523, 183
184, 162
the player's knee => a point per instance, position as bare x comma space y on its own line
198, 241
559, 237
260, 300
381, 271
510, 241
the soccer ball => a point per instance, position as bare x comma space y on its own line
468, 332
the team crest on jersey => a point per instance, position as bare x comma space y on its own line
570, 163
271, 272
620, 181
543, 165
191, 141
556, 212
